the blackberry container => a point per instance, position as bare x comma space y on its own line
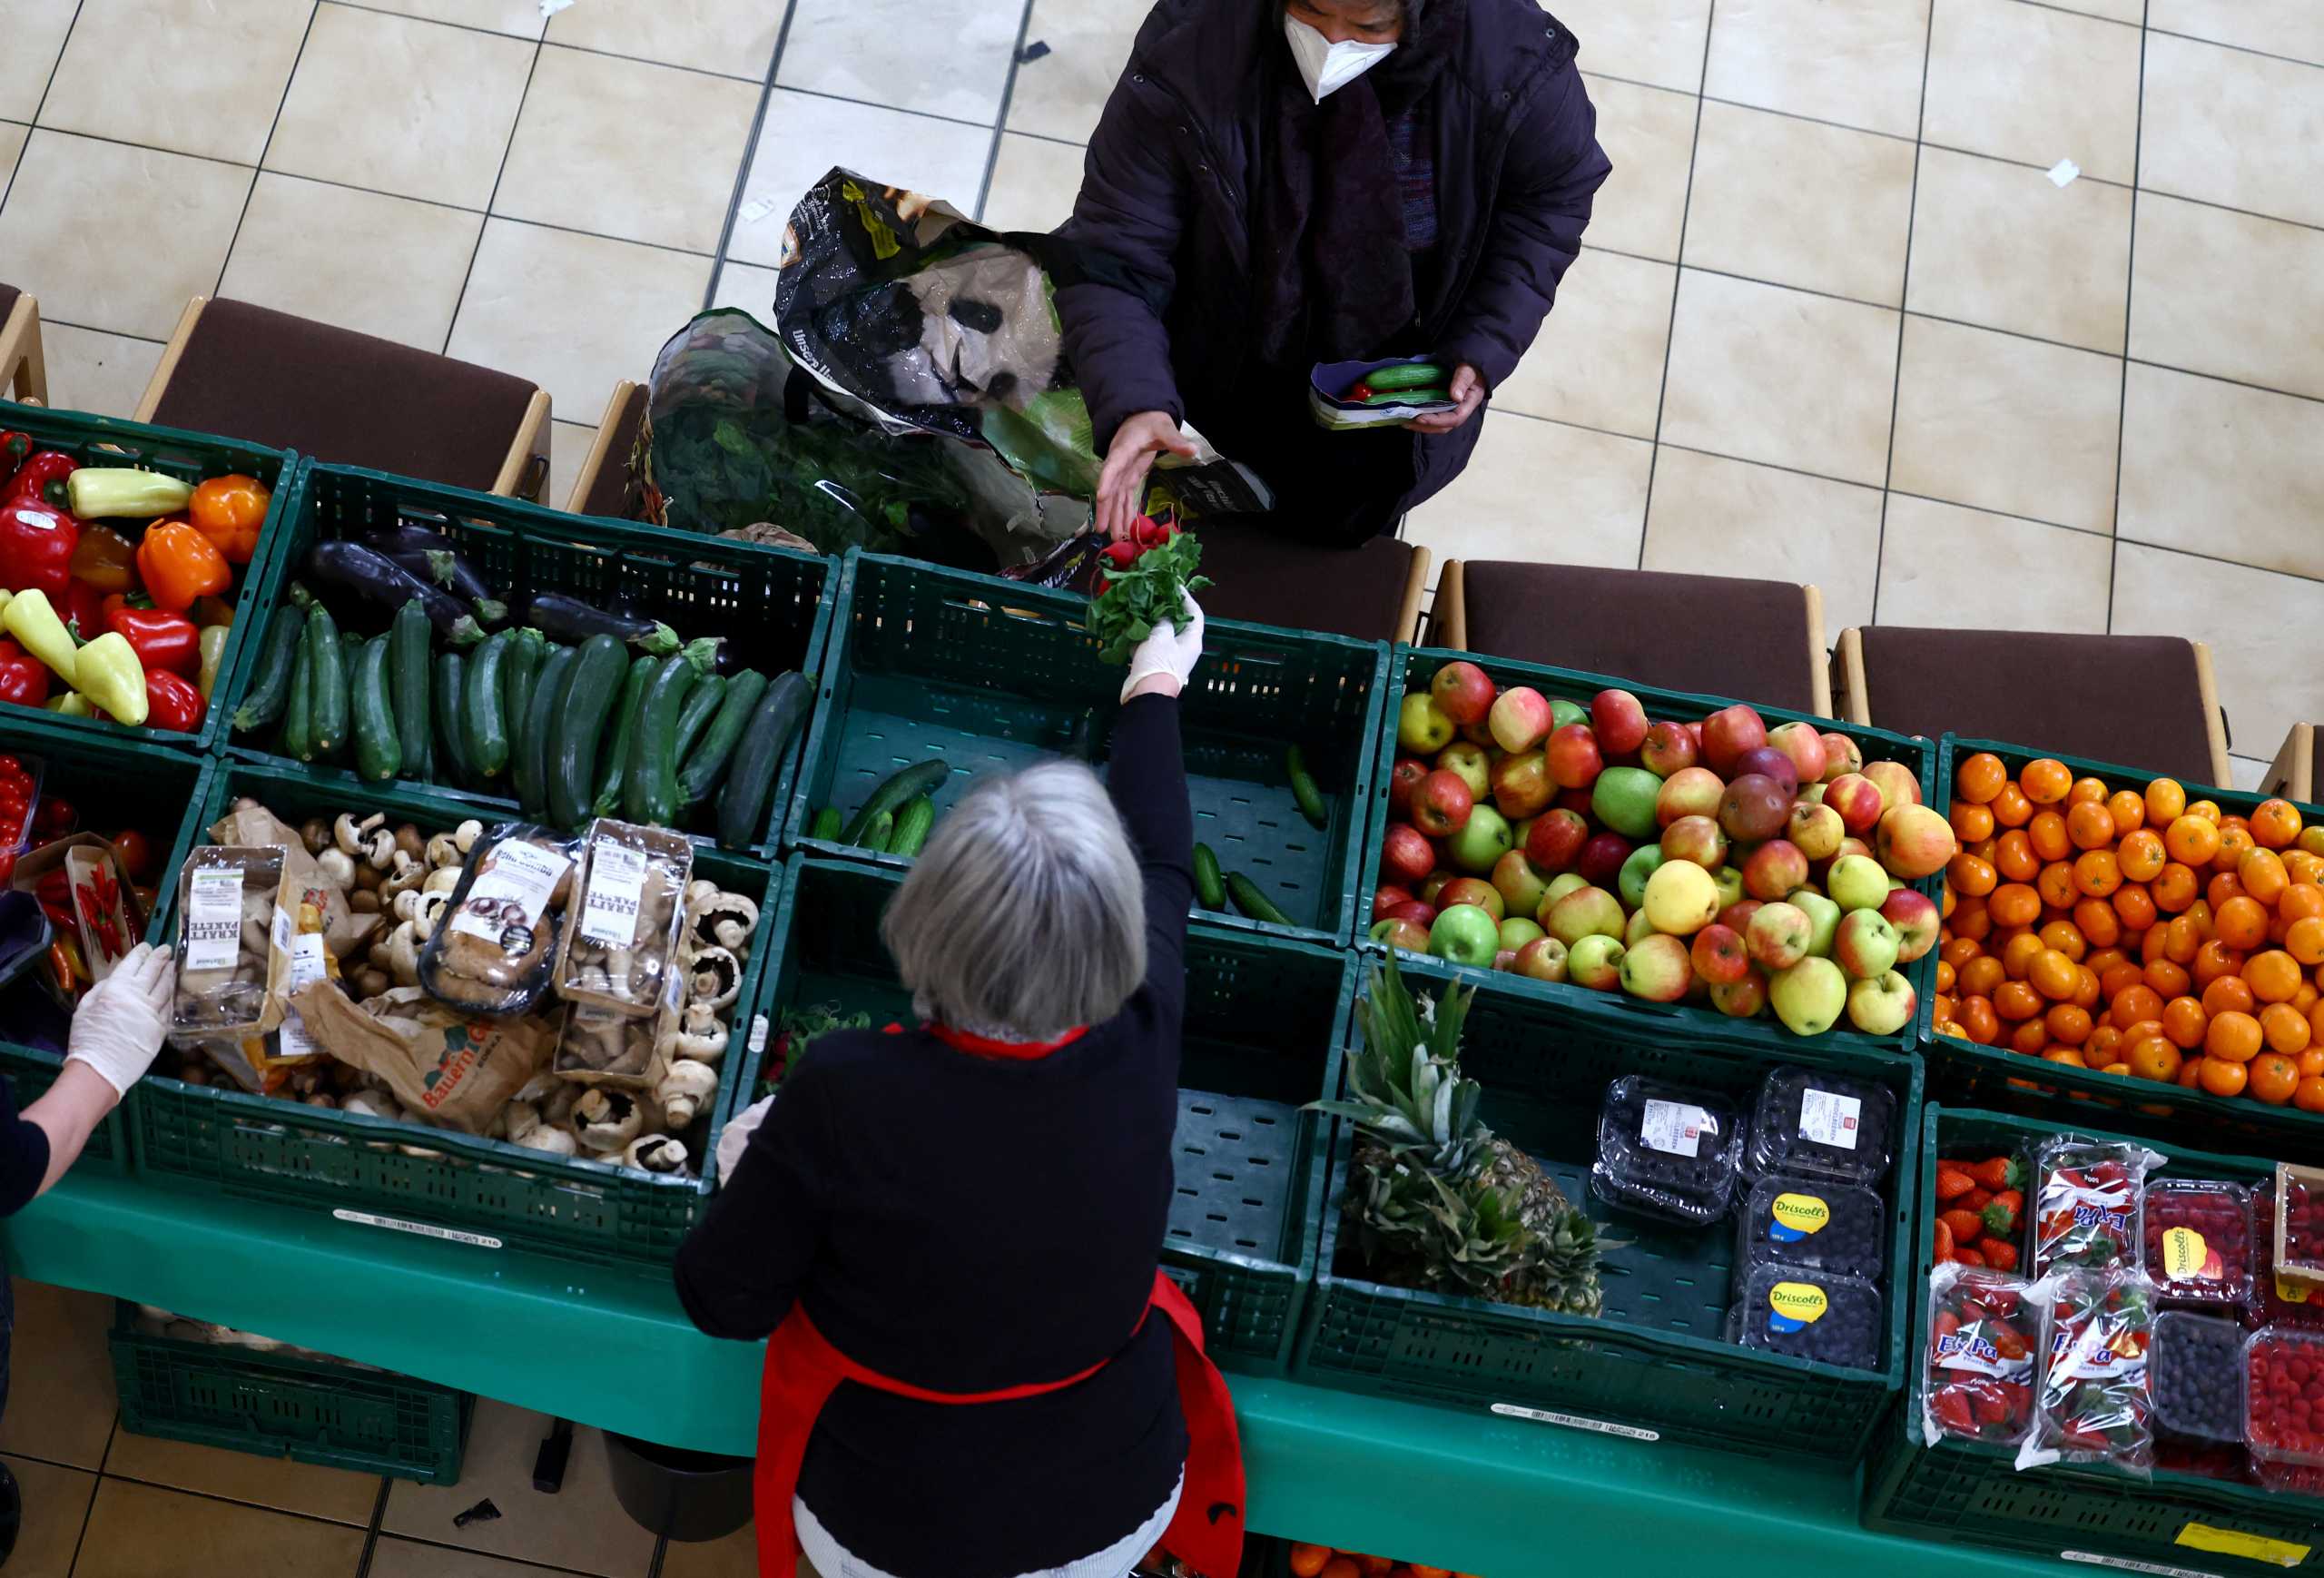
1666, 1151
2196, 1370
1814, 1121
2199, 1244
1810, 1315
1815, 1223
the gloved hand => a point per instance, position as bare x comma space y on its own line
117, 1029
1168, 650
736, 1136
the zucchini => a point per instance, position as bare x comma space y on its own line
378, 749
920, 778
758, 760
707, 759
531, 745
599, 665
612, 760
875, 837
520, 665
1253, 902
702, 705
912, 824
407, 642
1407, 375
1304, 790
299, 707
327, 716
271, 685
1210, 888
827, 825
650, 793
451, 733
483, 716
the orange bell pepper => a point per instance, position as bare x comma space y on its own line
229, 511
178, 565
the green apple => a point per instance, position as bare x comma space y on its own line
1423, 729
1631, 882
1623, 799
1596, 962
1561, 884
1637, 929
1480, 843
1681, 898
1464, 934
1865, 945
1856, 881
1730, 885
1563, 712
1517, 930
1883, 1006
1823, 920
1810, 996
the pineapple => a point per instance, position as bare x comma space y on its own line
1435, 1199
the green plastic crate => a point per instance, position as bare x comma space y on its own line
772, 604
94, 441
1657, 1360
1265, 1021
227, 1140
111, 781
994, 676
1963, 1073
1967, 1493
1412, 668
277, 1405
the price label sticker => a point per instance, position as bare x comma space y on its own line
307, 967
616, 886
1676, 1128
1828, 1118
213, 918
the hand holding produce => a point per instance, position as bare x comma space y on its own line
117, 1028
1152, 583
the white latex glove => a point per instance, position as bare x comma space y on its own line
1168, 650
736, 1136
117, 1029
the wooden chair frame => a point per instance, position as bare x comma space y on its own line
24, 367
2292, 774
1856, 697
523, 471
585, 481
1452, 625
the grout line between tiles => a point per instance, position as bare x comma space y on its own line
518, 1561
891, 109
120, 1478
1903, 293
371, 1534
1000, 116
2237, 48
506, 149
1678, 281
2130, 291
89, 1509
249, 192
750, 157
42, 104
539, 37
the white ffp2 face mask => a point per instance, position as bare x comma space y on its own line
1328, 67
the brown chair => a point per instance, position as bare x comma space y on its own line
2297, 767
270, 378
1372, 593
2149, 702
23, 371
1760, 641
602, 485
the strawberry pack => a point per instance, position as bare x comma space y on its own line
2086, 1204
1977, 1383
2093, 1403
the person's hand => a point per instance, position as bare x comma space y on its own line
1122, 483
1468, 388
117, 1029
735, 1138
1166, 659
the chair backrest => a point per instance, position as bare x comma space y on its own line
1372, 593
602, 485
23, 369
2299, 766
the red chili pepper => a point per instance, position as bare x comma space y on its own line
173, 702
24, 679
161, 640
42, 477
37, 544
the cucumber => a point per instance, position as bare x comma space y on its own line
599, 665
328, 705
650, 793
920, 778
827, 825
520, 666
483, 716
612, 760
378, 749
1253, 902
451, 735
1304, 790
702, 705
1407, 375
407, 640
875, 838
758, 758
271, 685
1405, 397
912, 824
299, 707
1210, 888
708, 760
532, 746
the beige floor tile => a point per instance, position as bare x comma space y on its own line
187, 76
622, 148
2027, 83
35, 30
1599, 359
581, 1527
2000, 245
2131, 11
335, 1493
12, 143
1799, 203
519, 18
2227, 294
878, 52
731, 37
92, 372
1762, 373
2234, 128
2221, 470
574, 313
57, 1506
393, 105
735, 1556
1062, 93
2267, 644
1034, 183
1715, 516
2248, 773
1542, 490
380, 265
136, 1531
1649, 134
2292, 27
2028, 577
568, 446
747, 286
1857, 64
1998, 422
804, 137
1647, 41
64, 247
409, 1559
60, 1400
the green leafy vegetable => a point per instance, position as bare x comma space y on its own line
1152, 587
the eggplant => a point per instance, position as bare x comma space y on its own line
564, 618
379, 579
433, 556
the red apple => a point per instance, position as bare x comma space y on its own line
1619, 720
1841, 754
1719, 956
1431, 891
1753, 808
1521, 886
1573, 757
1804, 745
1857, 800
1555, 840
1848, 847
1601, 862
1741, 999
1402, 779
1779, 935
1519, 718
1774, 869
1521, 784
1896, 784
1542, 958
1577, 801
1698, 839
1505, 959
1441, 805
1387, 897
1738, 915
1406, 857
1407, 935
1477, 733
1473, 890
1689, 792
1769, 763
1728, 733
1418, 914
1915, 916
1668, 747
1465, 691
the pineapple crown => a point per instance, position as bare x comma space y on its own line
1406, 1086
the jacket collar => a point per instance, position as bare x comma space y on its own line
986, 1047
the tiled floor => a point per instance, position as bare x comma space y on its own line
1834, 321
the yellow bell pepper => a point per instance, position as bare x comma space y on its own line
111, 676
31, 621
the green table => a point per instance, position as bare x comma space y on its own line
1500, 1497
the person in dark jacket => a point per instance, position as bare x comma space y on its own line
1277, 184
980, 1202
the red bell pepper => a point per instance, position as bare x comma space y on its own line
84, 610
37, 544
24, 678
172, 702
161, 640
42, 477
